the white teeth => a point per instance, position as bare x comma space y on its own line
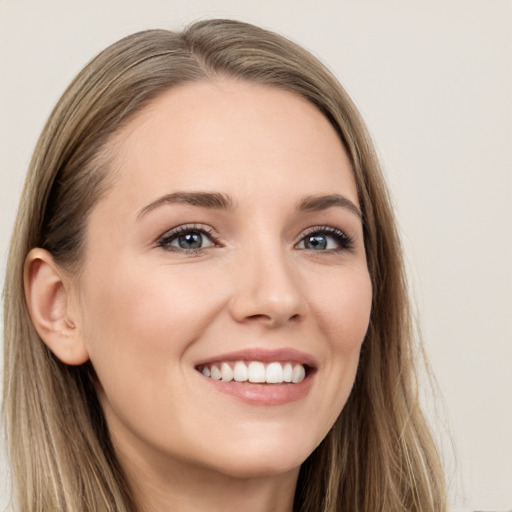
256, 372
215, 373
240, 372
226, 372
287, 372
298, 373
274, 373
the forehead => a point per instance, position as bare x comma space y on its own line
234, 136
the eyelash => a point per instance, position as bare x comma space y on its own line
170, 236
344, 241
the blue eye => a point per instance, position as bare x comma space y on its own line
186, 238
325, 239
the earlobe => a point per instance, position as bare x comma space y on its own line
53, 312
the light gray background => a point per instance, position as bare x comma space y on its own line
433, 80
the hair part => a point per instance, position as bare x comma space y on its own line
379, 455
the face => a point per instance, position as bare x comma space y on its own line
226, 260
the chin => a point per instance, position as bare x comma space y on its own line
257, 468
261, 458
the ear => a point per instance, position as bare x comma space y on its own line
53, 307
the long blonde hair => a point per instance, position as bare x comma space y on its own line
379, 455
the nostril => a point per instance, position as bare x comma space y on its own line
274, 320
259, 317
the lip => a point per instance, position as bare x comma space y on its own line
263, 394
282, 355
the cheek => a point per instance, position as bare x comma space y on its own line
137, 319
343, 312
139, 327
343, 308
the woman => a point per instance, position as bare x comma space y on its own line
205, 305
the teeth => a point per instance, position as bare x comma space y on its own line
287, 372
226, 372
215, 373
298, 373
256, 372
274, 373
241, 372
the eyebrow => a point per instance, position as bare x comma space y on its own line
212, 200
318, 203
219, 201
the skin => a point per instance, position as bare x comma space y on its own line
145, 314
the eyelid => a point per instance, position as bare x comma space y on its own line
344, 241
164, 240
347, 242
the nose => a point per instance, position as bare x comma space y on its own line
268, 290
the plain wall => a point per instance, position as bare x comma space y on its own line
433, 79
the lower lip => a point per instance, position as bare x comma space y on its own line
263, 394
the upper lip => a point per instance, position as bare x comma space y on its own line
283, 355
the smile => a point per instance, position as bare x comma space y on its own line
256, 372
260, 377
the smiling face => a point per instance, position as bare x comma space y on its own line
228, 250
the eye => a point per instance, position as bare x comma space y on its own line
325, 239
187, 238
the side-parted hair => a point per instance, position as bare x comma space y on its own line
378, 456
